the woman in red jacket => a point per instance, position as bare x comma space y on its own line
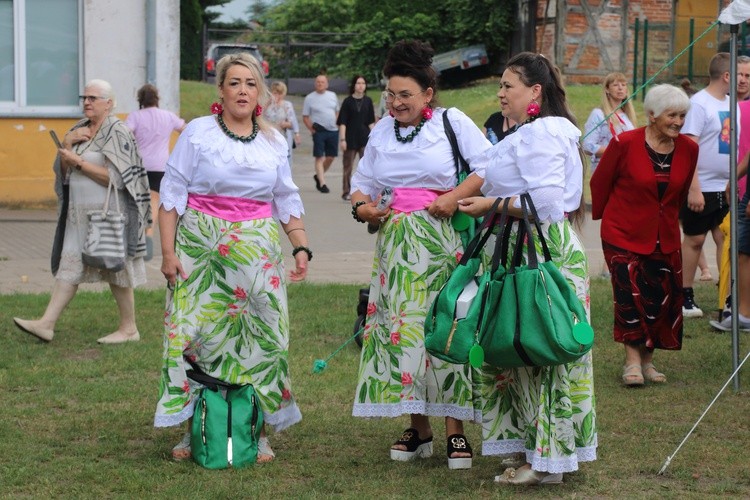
637, 190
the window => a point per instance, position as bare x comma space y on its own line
39, 56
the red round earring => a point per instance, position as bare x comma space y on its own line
427, 112
533, 109
217, 108
258, 110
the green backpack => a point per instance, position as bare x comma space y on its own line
226, 424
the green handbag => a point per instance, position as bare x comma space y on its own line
452, 324
226, 424
533, 317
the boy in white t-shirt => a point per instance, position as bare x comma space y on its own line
707, 123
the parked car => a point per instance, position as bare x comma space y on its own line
462, 64
460, 59
218, 50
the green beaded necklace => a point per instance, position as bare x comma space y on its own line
412, 134
232, 135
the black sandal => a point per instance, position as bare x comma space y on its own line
457, 443
415, 447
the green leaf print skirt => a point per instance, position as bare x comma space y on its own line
229, 317
414, 255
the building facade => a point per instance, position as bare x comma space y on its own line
589, 38
49, 49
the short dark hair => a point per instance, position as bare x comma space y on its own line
412, 58
148, 96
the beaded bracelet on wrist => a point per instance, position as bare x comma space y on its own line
302, 249
355, 215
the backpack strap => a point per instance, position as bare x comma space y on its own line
458, 160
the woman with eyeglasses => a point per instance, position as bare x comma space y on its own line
97, 151
415, 251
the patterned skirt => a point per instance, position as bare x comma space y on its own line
548, 412
415, 253
648, 297
229, 317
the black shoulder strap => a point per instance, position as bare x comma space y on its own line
458, 159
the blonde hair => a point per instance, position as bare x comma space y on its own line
264, 95
607, 107
279, 87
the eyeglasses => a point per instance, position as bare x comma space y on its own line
90, 98
401, 96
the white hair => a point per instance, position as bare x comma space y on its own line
105, 88
665, 97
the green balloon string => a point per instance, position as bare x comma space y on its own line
321, 364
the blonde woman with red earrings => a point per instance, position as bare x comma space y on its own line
227, 192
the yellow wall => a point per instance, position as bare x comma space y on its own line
26, 156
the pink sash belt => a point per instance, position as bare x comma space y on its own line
229, 208
408, 200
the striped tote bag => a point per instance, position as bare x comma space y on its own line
104, 247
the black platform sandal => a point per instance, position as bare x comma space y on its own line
415, 447
457, 443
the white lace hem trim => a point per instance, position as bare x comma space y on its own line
286, 417
369, 410
552, 465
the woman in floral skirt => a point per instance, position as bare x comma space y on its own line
547, 413
416, 249
227, 184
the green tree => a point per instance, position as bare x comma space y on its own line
191, 45
193, 15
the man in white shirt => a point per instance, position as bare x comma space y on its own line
319, 114
707, 123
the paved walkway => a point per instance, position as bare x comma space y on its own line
343, 249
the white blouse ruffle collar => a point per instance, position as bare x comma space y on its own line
265, 151
535, 134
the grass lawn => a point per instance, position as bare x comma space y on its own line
77, 417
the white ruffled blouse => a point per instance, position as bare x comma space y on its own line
207, 162
426, 162
541, 158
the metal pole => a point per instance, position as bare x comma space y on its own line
635, 52
733, 30
644, 69
690, 51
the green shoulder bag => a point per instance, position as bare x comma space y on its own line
534, 317
452, 324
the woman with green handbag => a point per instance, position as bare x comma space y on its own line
548, 412
417, 247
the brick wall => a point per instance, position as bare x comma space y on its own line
586, 65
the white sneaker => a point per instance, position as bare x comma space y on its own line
725, 325
692, 312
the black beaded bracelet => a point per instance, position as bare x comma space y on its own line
302, 249
354, 211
